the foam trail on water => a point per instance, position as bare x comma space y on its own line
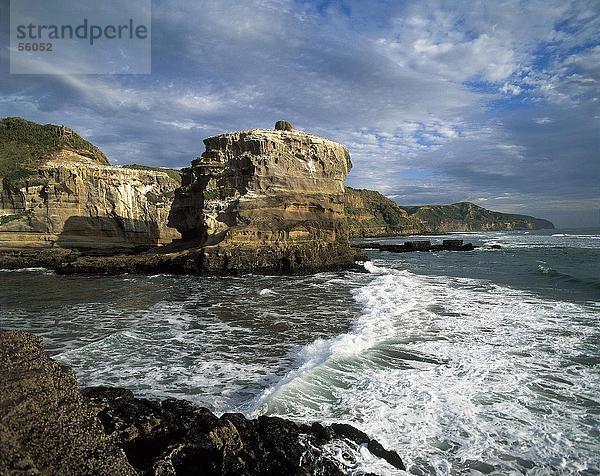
367, 330
459, 375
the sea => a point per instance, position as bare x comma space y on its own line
481, 362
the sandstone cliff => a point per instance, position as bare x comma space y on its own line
369, 213
274, 197
59, 190
265, 201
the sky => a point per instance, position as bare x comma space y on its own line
493, 102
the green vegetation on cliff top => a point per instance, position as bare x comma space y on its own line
369, 213
475, 216
25, 145
383, 212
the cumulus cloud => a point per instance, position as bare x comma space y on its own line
436, 101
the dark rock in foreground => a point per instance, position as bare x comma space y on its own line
48, 426
178, 437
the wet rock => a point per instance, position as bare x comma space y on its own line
49, 426
177, 437
214, 260
408, 246
46, 427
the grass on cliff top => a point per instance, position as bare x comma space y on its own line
456, 211
25, 145
384, 210
175, 174
470, 213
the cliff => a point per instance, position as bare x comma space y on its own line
370, 214
49, 426
267, 199
465, 216
60, 190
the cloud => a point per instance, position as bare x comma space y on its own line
436, 101
511, 89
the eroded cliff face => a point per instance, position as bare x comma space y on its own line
278, 191
72, 201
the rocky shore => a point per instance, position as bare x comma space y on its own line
256, 201
419, 245
215, 261
49, 426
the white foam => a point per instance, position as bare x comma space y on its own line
267, 292
456, 374
26, 270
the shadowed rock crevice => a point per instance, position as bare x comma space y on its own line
87, 233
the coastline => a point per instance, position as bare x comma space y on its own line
52, 426
224, 342
209, 261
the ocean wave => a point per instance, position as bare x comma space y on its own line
553, 273
267, 292
27, 270
591, 237
456, 373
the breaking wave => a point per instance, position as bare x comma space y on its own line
460, 375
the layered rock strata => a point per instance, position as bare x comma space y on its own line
75, 203
265, 201
274, 198
58, 190
47, 426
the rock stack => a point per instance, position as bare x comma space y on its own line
267, 199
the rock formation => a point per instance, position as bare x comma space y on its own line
283, 126
275, 196
65, 194
265, 201
370, 214
47, 426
